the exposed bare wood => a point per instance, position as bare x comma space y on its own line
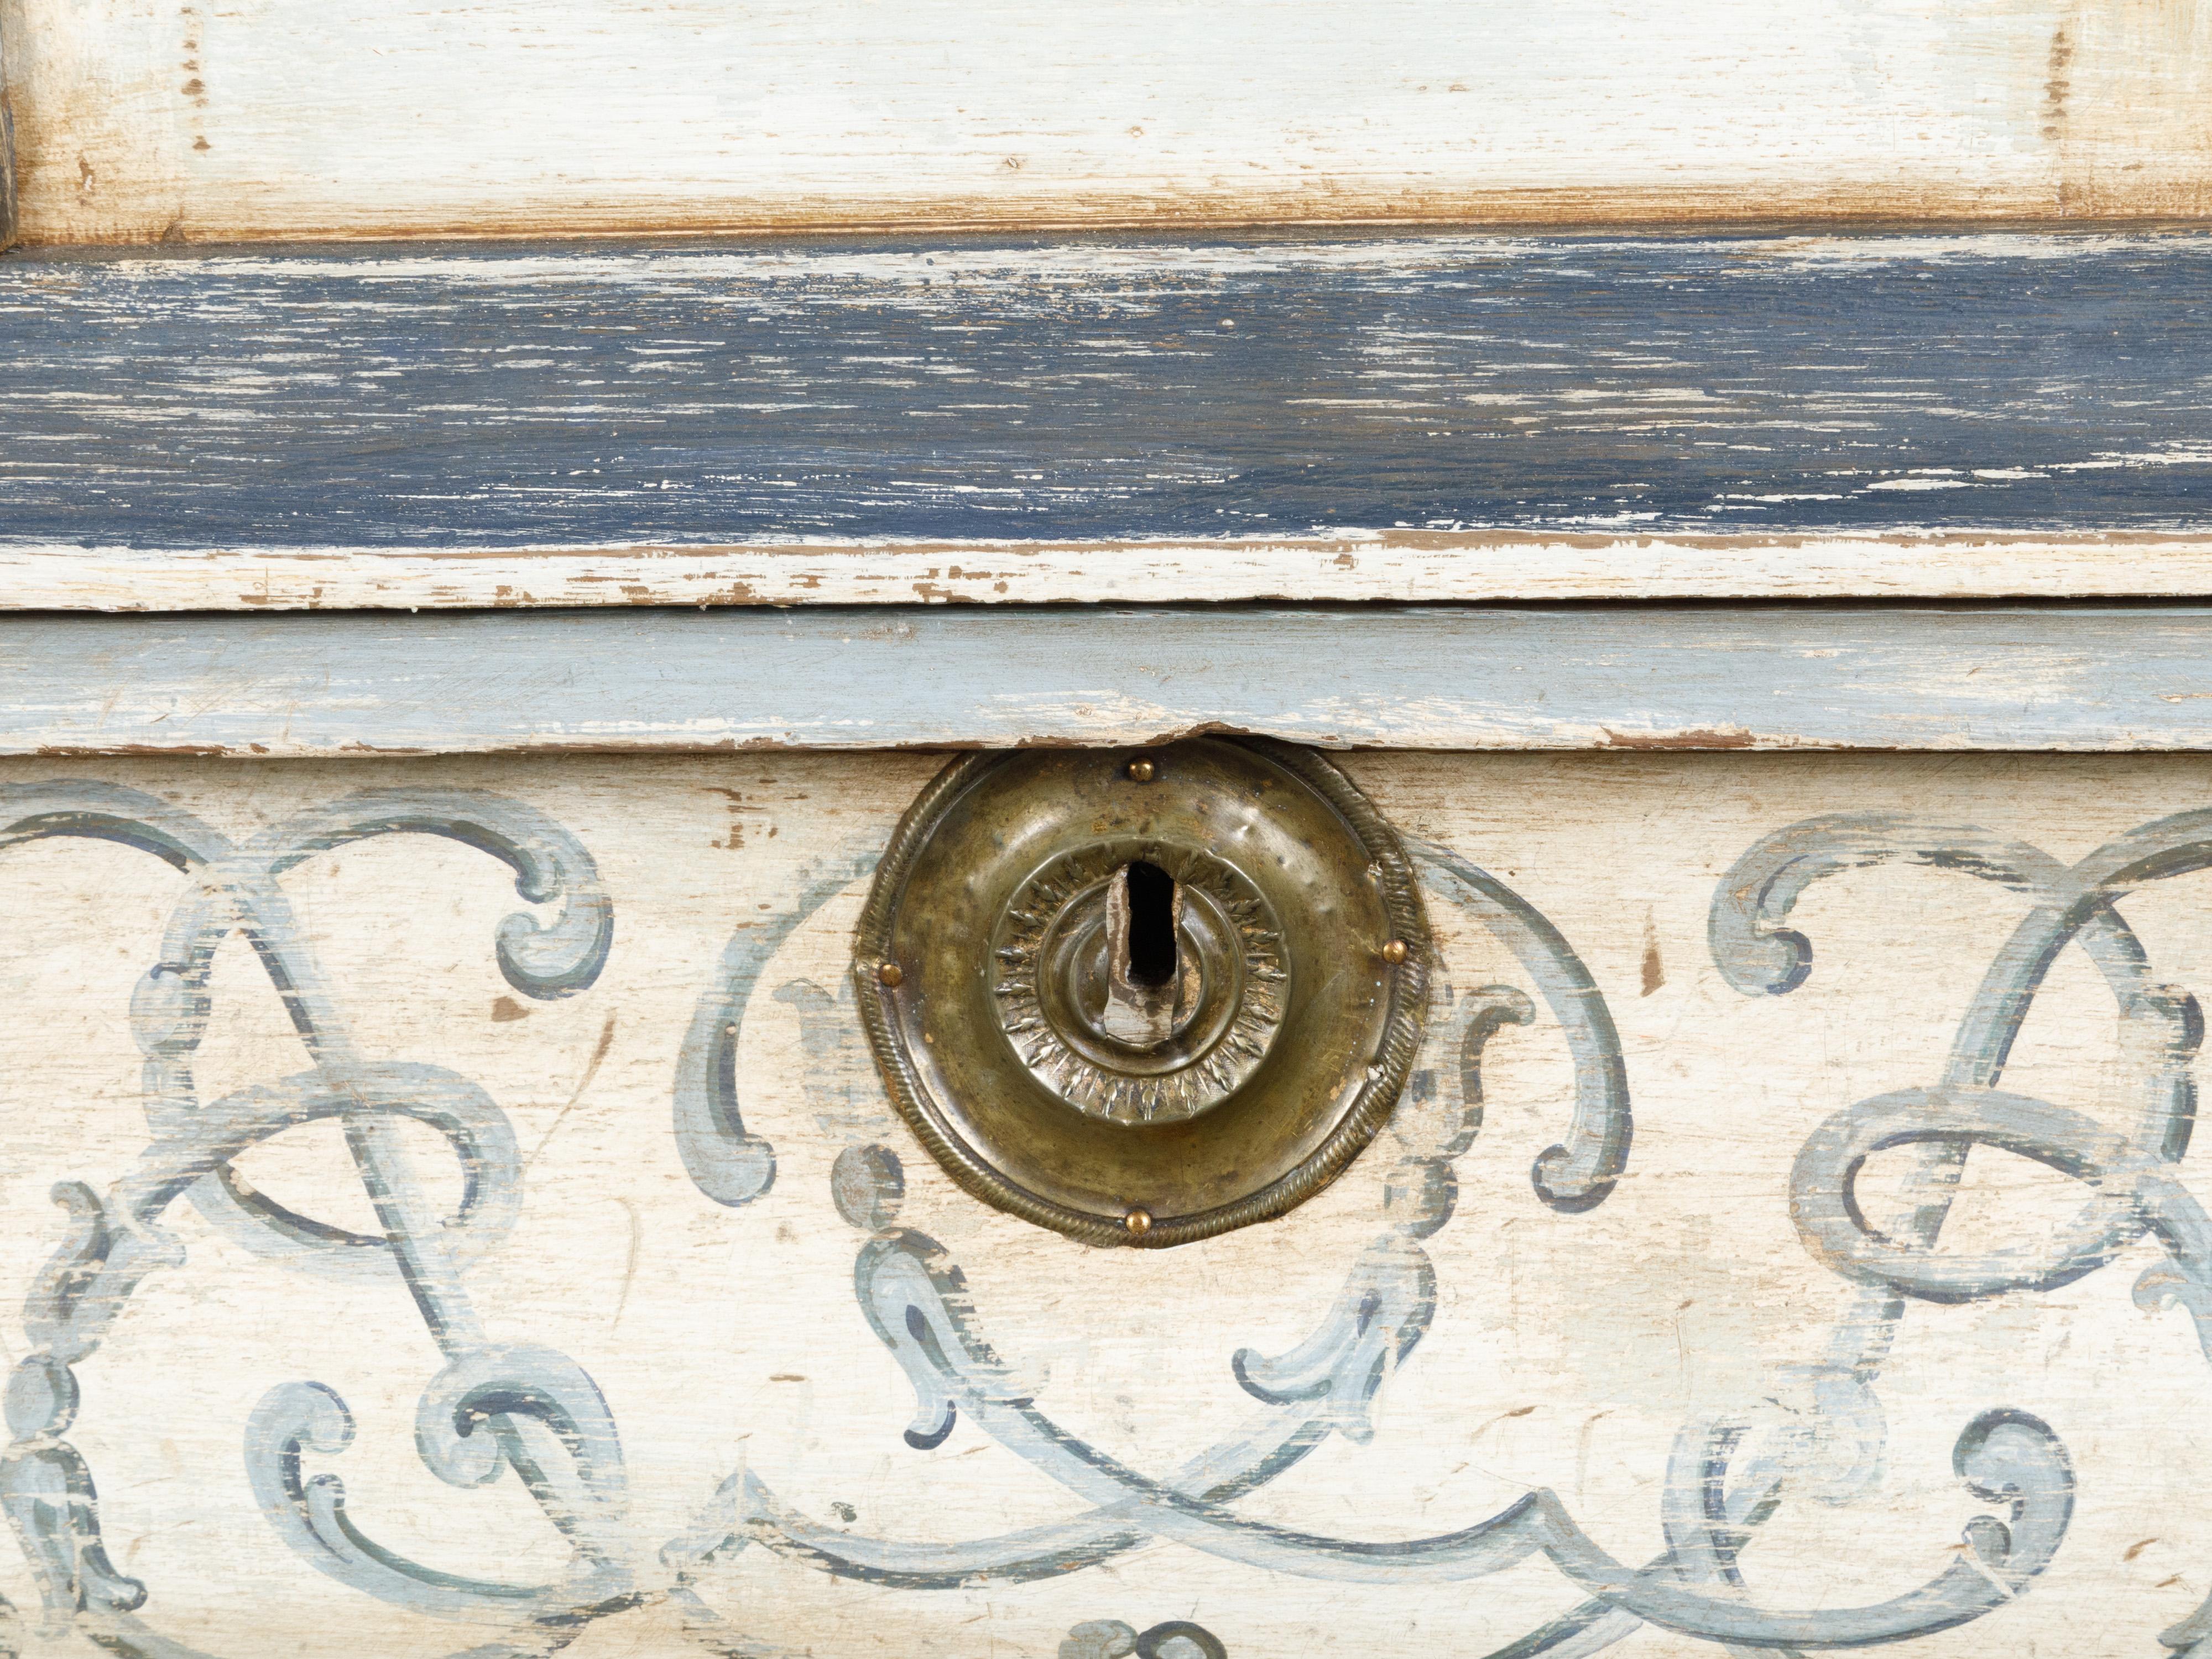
8, 208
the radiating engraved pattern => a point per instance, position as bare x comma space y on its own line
1112, 1094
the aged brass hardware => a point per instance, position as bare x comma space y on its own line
1144, 998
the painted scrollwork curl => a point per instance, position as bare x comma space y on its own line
724, 1160
495, 1406
914, 1296
2133, 1188
915, 1302
528, 1408
498, 1406
1579, 1173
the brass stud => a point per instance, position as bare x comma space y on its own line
1394, 951
1142, 771
1139, 1222
889, 975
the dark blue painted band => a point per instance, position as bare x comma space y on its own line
489, 397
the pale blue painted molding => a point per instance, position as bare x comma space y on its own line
2062, 678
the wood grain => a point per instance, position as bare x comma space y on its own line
283, 118
1656, 678
1428, 417
10, 218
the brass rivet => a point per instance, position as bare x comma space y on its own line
1394, 951
889, 975
1141, 771
1139, 1222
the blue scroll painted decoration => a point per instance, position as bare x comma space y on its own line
1727, 1475
496, 1404
502, 1402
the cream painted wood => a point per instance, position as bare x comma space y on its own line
138, 122
1567, 1351
1406, 566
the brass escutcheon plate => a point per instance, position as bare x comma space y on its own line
1143, 996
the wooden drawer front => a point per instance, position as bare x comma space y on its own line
1891, 1054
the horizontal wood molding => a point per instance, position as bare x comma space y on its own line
1148, 419
1632, 677
1401, 566
285, 119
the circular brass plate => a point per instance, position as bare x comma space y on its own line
1295, 890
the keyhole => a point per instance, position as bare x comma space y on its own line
1151, 925
1146, 979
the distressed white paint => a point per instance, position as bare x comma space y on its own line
1565, 1353
139, 120
1404, 566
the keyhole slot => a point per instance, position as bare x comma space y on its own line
1152, 936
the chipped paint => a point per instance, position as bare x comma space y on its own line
1405, 566
1630, 677
1445, 417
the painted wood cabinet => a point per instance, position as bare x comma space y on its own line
1713, 504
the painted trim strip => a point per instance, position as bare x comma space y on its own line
1141, 419
1635, 677
1401, 566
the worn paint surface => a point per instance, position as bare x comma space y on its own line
1904, 1237
282, 117
9, 223
1388, 677
1160, 391
1400, 565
